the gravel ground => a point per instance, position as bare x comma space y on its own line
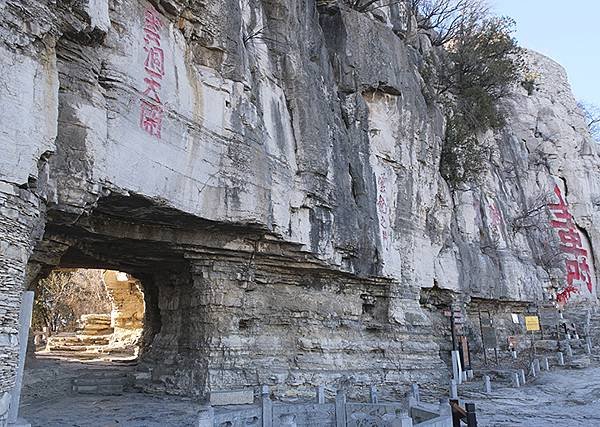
47, 400
129, 409
561, 397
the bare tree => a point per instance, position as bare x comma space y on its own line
446, 18
63, 296
592, 118
534, 214
442, 18
368, 5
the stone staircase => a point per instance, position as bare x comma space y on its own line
94, 334
113, 380
95, 325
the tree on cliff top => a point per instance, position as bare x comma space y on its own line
446, 19
479, 62
484, 61
591, 113
442, 19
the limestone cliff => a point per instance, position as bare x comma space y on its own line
269, 170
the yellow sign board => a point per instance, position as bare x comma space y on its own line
532, 323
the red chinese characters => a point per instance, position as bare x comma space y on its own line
495, 218
577, 267
383, 208
151, 108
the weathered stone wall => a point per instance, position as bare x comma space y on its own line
28, 118
292, 327
270, 172
127, 299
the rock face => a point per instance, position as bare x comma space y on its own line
127, 299
269, 170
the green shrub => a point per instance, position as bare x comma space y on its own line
485, 61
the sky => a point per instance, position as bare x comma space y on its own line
566, 31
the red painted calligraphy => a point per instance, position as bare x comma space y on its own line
383, 208
495, 215
577, 267
151, 109
151, 118
495, 219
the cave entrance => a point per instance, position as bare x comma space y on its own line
88, 314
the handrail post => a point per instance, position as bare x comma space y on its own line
414, 391
267, 407
321, 394
471, 415
340, 408
373, 394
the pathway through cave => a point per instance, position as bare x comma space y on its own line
88, 314
86, 334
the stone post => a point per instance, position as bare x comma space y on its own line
470, 374
532, 366
536, 362
373, 394
445, 408
206, 417
24, 325
414, 391
340, 409
515, 380
569, 350
453, 390
456, 368
405, 420
513, 354
267, 407
546, 364
487, 384
522, 378
321, 394
560, 358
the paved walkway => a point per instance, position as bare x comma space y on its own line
558, 398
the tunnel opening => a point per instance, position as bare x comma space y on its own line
88, 314
132, 335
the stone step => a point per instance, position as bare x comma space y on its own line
103, 381
85, 341
97, 317
102, 389
79, 346
123, 381
78, 340
95, 331
107, 372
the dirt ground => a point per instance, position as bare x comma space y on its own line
47, 400
561, 397
129, 409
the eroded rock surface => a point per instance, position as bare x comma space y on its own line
269, 170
